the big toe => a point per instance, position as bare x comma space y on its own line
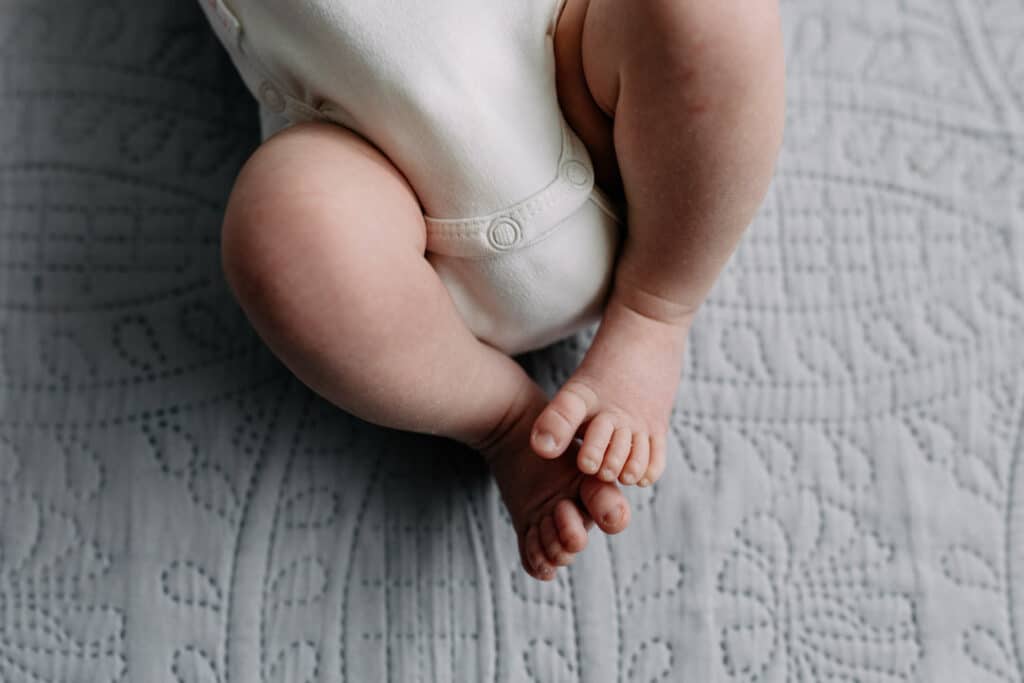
606, 504
556, 426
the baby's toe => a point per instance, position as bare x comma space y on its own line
606, 504
595, 444
535, 562
552, 545
556, 426
572, 528
656, 466
616, 455
639, 459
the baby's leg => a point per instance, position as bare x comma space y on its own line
695, 90
323, 244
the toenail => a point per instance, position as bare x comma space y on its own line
613, 517
628, 479
590, 465
545, 441
645, 482
607, 474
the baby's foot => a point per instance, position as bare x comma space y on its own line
552, 504
620, 398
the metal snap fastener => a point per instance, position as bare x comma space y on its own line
576, 173
504, 233
272, 98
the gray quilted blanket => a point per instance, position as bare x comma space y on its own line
844, 501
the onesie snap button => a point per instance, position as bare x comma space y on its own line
272, 98
575, 172
504, 233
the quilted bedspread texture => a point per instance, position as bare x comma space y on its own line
844, 499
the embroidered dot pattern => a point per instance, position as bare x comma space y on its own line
844, 489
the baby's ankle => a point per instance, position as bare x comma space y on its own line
512, 430
643, 301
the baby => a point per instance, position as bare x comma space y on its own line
445, 184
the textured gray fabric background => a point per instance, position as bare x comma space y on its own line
844, 499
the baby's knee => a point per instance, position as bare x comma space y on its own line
247, 235
268, 213
302, 192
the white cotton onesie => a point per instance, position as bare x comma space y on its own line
460, 95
